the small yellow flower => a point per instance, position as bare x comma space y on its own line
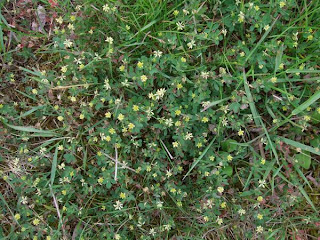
229, 157
108, 138
122, 195
307, 118
240, 132
60, 118
59, 20
199, 145
173, 190
48, 238
112, 131
121, 68
131, 126
220, 189
100, 180
282, 4
183, 59
260, 216
120, 117
281, 66
35, 91
273, 79
257, 8
81, 116
179, 86
176, 12
108, 114
135, 108
205, 119
178, 112
260, 199
219, 220
140, 64
81, 66
17, 216
177, 123
310, 37
143, 78
64, 192
64, 69
211, 158
259, 229
73, 99
36, 222
223, 205
175, 144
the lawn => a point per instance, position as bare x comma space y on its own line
159, 119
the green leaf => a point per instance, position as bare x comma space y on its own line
228, 171
229, 145
69, 158
307, 103
303, 159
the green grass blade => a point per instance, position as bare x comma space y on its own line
307, 198
47, 133
261, 39
199, 158
307, 103
54, 166
30, 111
215, 103
300, 145
302, 71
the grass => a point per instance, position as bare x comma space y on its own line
159, 119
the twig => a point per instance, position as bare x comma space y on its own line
166, 149
116, 160
58, 211
123, 165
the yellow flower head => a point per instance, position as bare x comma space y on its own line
100, 180
36, 222
140, 64
122, 195
220, 189
240, 132
135, 108
120, 117
273, 79
143, 78
17, 216
108, 114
